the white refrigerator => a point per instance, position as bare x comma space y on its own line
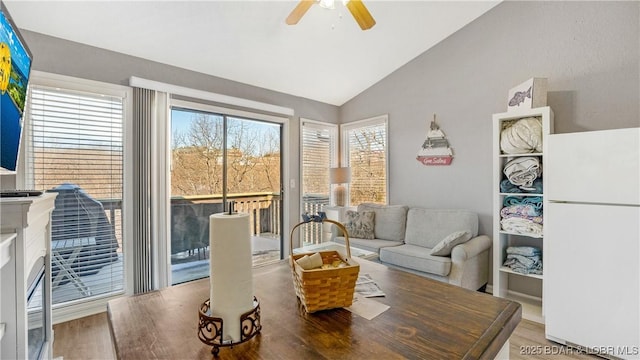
592, 253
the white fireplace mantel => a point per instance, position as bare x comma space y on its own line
25, 242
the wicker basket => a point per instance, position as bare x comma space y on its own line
322, 289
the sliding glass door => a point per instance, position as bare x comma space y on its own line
217, 158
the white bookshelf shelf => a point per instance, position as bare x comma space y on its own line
519, 194
519, 155
508, 270
513, 233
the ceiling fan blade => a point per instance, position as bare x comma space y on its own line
361, 14
299, 11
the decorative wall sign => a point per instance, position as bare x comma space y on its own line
530, 94
435, 149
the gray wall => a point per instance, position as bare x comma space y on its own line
589, 51
64, 57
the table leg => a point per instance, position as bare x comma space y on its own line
65, 269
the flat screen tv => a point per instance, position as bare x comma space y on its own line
15, 67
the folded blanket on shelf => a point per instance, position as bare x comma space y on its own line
524, 250
507, 187
522, 136
523, 209
534, 219
521, 226
523, 171
524, 264
535, 201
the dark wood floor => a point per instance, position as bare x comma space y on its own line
89, 338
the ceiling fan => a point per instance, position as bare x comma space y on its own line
356, 8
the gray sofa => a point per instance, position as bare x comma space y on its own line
404, 238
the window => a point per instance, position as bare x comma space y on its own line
74, 146
319, 153
365, 150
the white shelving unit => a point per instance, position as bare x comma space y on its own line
502, 275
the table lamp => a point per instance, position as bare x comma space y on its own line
339, 176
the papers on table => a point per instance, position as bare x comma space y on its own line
362, 305
366, 307
366, 287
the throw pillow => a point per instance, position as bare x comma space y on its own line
359, 224
446, 245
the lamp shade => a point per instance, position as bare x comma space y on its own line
341, 175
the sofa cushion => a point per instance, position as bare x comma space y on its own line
366, 244
359, 224
416, 258
446, 245
427, 227
390, 220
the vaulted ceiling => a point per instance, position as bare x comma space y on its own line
325, 57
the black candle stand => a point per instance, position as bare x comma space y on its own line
210, 329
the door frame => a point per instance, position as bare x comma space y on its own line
163, 269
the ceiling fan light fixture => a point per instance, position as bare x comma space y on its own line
327, 4
357, 9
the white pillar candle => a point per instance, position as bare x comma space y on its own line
231, 270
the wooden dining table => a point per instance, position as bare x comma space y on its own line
426, 319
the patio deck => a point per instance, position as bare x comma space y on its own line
108, 280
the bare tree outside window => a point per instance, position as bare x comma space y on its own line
253, 156
367, 156
197, 157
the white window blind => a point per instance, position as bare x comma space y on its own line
319, 153
75, 148
365, 151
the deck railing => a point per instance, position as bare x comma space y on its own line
312, 233
190, 216
190, 223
